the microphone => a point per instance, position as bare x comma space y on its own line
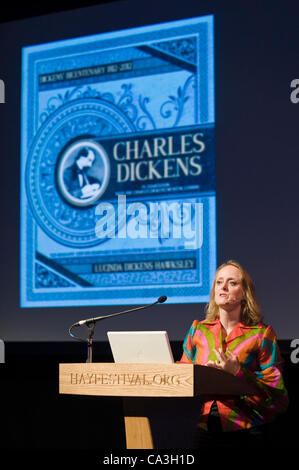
93, 320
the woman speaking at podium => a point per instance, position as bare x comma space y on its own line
234, 338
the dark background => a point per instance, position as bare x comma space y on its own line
257, 151
256, 58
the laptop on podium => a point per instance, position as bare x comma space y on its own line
152, 347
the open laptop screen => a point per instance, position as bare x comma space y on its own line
151, 347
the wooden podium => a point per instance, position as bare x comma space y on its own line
146, 380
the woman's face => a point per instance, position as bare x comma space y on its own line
228, 288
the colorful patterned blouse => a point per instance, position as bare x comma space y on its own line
261, 364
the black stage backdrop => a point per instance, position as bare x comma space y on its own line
256, 157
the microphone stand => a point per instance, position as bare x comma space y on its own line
90, 329
91, 323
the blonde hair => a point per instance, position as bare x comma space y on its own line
250, 310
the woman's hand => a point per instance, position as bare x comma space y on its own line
230, 364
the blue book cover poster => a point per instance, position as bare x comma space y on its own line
118, 167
